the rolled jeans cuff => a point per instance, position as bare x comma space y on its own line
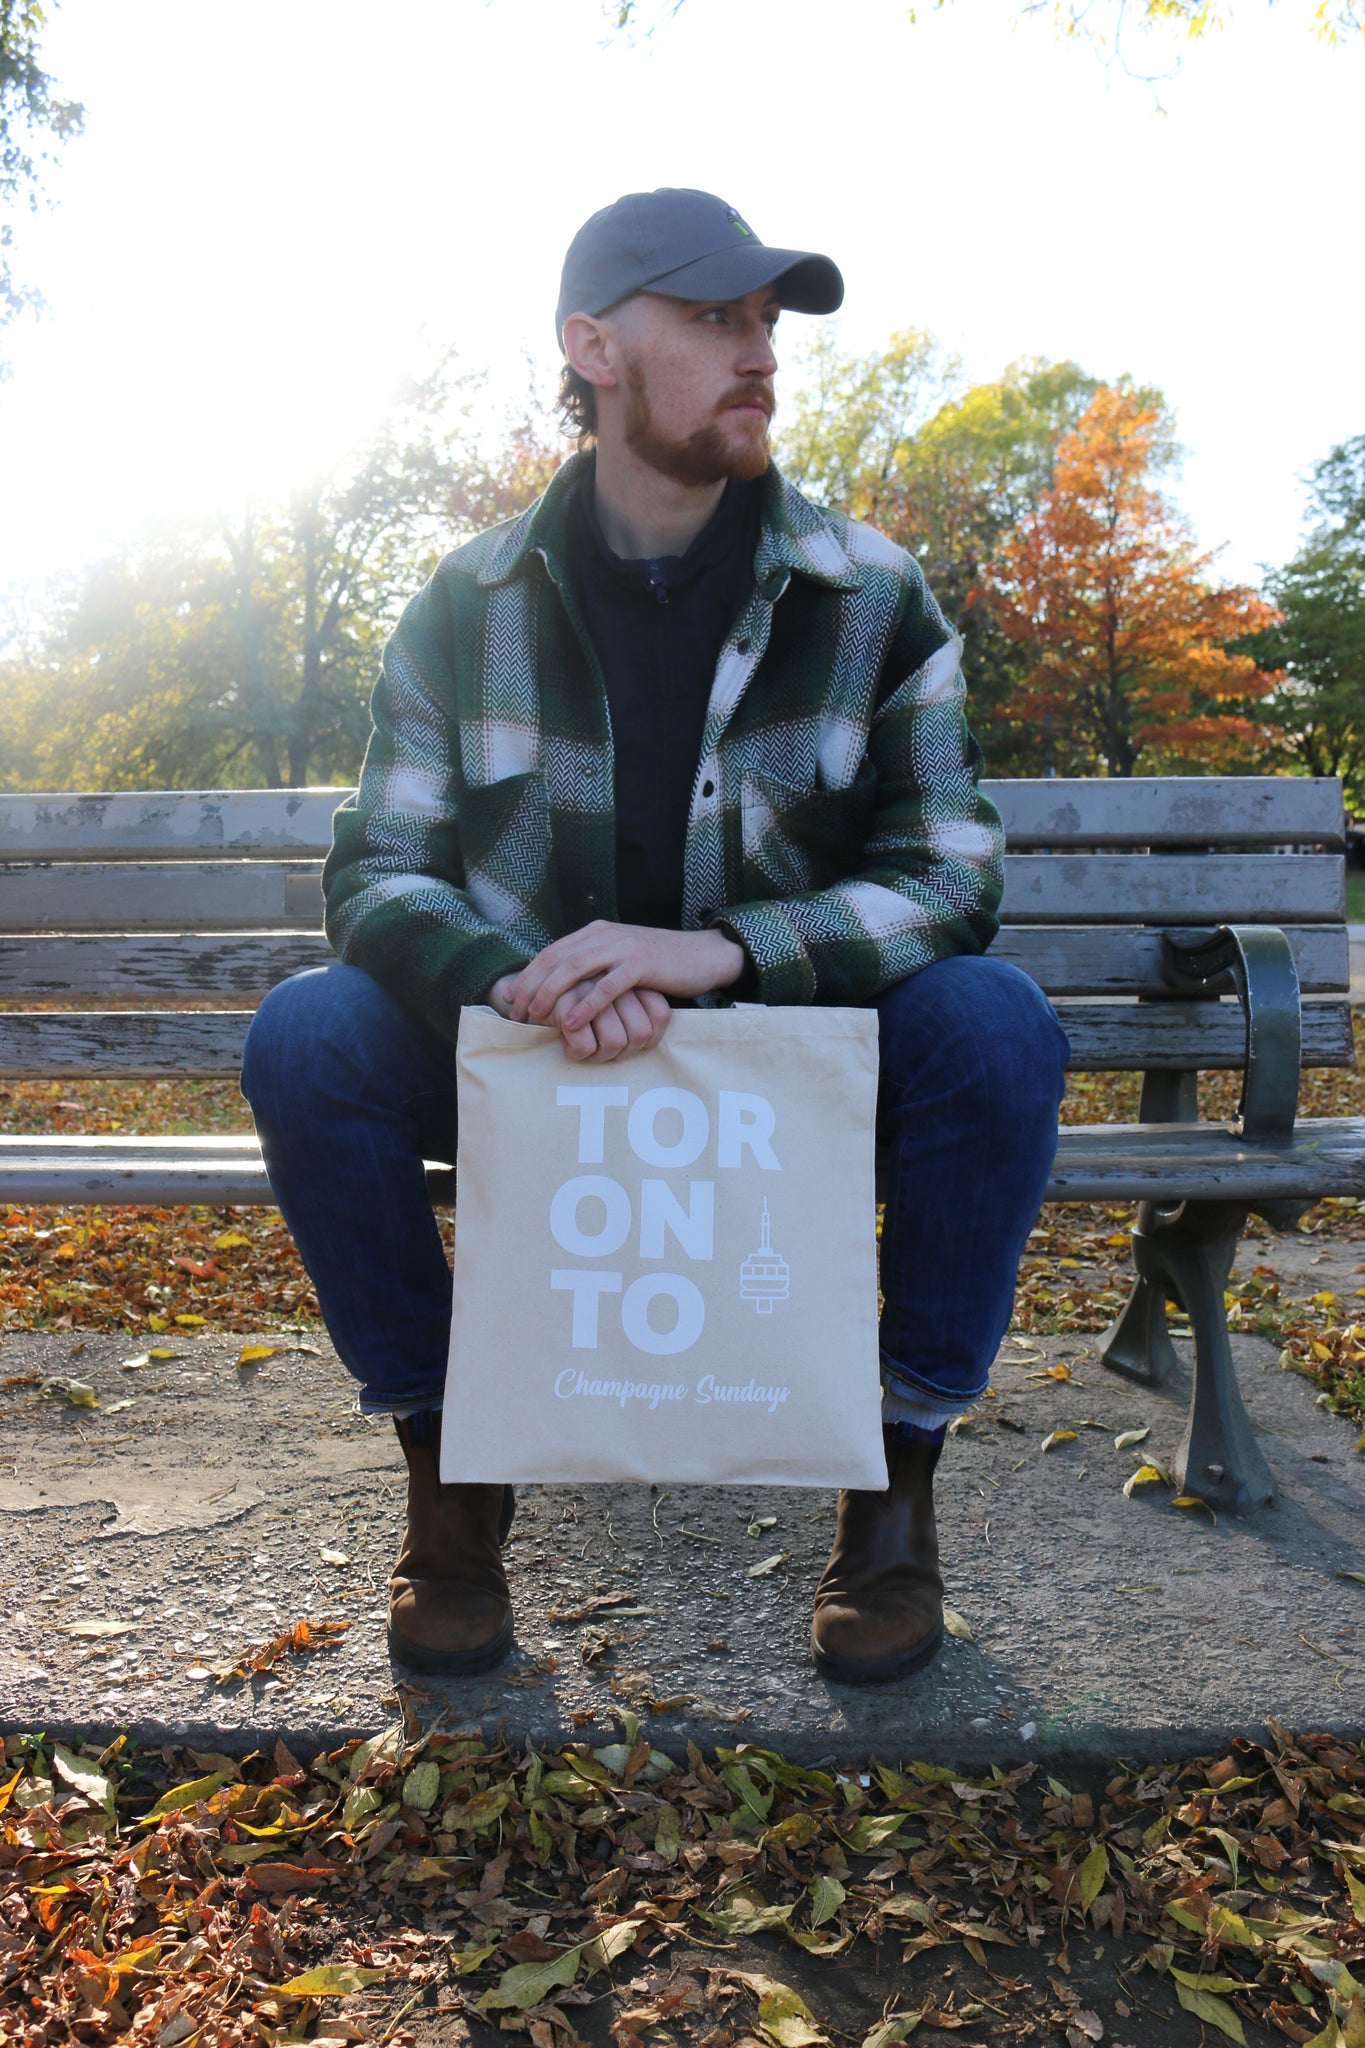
401, 1410
904, 1401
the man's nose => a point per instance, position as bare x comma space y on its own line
758, 358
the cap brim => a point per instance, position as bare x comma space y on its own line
803, 283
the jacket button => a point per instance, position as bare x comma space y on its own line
744, 646
708, 789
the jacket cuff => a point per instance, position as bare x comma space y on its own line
780, 969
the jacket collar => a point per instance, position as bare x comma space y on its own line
795, 538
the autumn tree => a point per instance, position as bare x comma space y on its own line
1125, 637
1319, 639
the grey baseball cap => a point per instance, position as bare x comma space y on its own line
684, 245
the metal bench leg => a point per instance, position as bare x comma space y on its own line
1137, 1343
1190, 1253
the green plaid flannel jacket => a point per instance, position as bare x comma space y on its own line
836, 829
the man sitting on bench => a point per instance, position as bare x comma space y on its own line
674, 734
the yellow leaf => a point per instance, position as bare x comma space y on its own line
421, 1786
783, 2014
89, 1630
190, 1319
612, 1942
769, 1564
249, 1353
229, 1240
464, 1960
1094, 1871
1357, 1891
89, 1782
1059, 1436
337, 1557
181, 1796
1192, 1500
956, 1626
527, 1984
80, 1395
1129, 1437
158, 1322
826, 1897
1206, 2006
332, 1980
1146, 1475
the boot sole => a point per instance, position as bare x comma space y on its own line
450, 1663
851, 1671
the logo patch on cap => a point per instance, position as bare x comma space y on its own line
734, 219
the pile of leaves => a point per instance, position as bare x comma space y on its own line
265, 1900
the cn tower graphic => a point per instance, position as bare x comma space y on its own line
765, 1276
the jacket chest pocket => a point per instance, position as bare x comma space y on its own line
798, 839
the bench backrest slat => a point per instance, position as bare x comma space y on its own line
1040, 888
1097, 960
1162, 888
1151, 811
166, 895
1113, 1036
176, 824
1173, 810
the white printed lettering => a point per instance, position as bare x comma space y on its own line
592, 1105
644, 1113
635, 1314
587, 1287
694, 1227
615, 1228
745, 1120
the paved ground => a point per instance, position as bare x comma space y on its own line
204, 1508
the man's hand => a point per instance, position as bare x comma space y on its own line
616, 958
605, 987
632, 1023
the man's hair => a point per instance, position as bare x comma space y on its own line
576, 404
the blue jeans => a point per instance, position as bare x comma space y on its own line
351, 1093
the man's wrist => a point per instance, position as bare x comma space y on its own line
731, 957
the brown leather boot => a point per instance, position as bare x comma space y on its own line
879, 1606
449, 1609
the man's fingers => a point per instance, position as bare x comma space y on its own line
606, 989
658, 1008
559, 979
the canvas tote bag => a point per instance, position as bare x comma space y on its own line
665, 1268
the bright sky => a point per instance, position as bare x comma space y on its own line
273, 202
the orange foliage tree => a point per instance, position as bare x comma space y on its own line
1101, 586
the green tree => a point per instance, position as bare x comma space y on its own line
244, 652
32, 119
1319, 642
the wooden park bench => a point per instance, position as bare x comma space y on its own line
1178, 923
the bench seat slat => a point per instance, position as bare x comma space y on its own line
1171, 810
1094, 1163
55, 1044
1052, 889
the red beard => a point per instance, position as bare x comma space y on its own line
709, 456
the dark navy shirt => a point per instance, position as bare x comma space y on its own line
657, 628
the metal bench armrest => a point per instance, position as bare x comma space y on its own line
1254, 961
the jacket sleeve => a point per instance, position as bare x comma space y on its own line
927, 880
394, 882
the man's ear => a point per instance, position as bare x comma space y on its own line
588, 347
